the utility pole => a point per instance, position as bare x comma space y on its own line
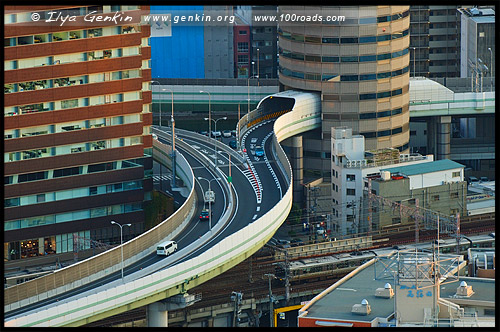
416, 222
287, 277
369, 207
271, 310
237, 298
250, 279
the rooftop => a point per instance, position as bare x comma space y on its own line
482, 287
336, 302
361, 286
434, 166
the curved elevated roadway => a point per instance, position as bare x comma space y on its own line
257, 217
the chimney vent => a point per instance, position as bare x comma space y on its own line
387, 292
464, 290
361, 309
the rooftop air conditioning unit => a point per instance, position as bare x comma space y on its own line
361, 309
464, 290
387, 292
385, 175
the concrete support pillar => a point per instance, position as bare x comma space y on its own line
431, 136
297, 163
157, 315
443, 137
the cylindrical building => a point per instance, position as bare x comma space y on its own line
357, 58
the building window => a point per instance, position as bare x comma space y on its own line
435, 197
67, 171
40, 198
455, 174
32, 177
243, 59
350, 177
489, 312
243, 48
351, 192
71, 103
454, 195
8, 202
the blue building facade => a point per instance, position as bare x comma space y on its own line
177, 51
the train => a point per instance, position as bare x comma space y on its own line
337, 265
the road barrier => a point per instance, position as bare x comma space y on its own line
108, 262
188, 274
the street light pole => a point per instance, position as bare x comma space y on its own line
239, 128
209, 114
230, 177
121, 239
209, 202
173, 137
414, 56
491, 67
248, 86
238, 135
258, 67
271, 311
215, 129
160, 101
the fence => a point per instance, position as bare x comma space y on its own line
176, 279
108, 262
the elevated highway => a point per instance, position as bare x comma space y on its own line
244, 226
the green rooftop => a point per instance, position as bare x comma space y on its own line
422, 168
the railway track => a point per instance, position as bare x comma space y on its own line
248, 276
406, 234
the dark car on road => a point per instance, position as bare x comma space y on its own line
204, 215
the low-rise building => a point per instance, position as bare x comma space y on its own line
438, 186
402, 289
350, 164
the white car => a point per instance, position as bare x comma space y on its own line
253, 140
216, 134
226, 133
155, 136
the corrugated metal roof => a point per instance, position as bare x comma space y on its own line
422, 168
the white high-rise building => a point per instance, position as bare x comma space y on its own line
350, 164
